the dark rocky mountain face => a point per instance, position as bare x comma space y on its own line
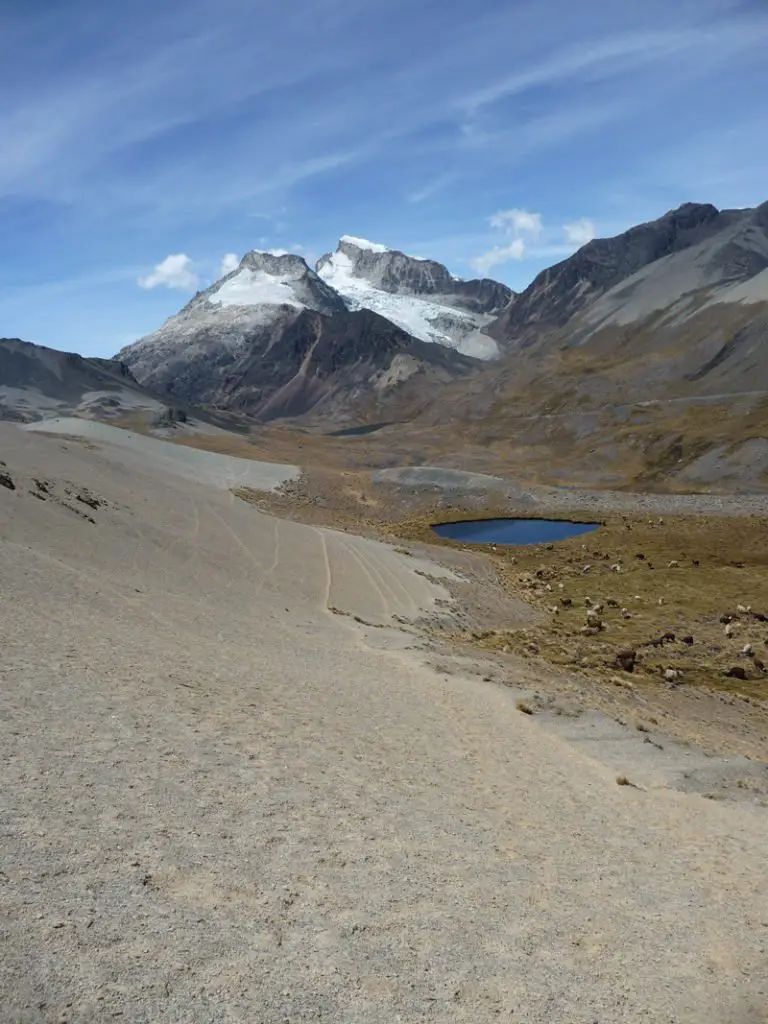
330, 365
562, 291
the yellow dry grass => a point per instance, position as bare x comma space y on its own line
694, 570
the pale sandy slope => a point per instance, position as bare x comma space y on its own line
222, 802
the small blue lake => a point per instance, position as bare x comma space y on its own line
512, 531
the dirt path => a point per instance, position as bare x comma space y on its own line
224, 802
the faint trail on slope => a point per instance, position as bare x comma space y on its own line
328, 577
191, 539
387, 611
275, 559
386, 569
378, 569
238, 540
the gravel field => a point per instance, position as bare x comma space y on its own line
234, 790
532, 497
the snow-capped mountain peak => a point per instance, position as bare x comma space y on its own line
363, 243
269, 279
419, 295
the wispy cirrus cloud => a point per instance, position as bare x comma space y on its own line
430, 188
618, 55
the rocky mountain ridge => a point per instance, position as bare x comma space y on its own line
642, 358
273, 338
722, 247
38, 383
419, 295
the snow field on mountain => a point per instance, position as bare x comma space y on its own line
256, 287
418, 317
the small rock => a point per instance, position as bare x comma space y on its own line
737, 672
671, 675
730, 630
687, 640
616, 567
674, 564
566, 602
661, 601
747, 650
6, 481
625, 614
626, 659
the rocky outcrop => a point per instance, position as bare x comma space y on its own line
392, 271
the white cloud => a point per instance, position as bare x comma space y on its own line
517, 222
229, 263
579, 232
514, 224
175, 271
498, 254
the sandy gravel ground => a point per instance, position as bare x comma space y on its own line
138, 450
223, 802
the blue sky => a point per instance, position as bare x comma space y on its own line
494, 136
